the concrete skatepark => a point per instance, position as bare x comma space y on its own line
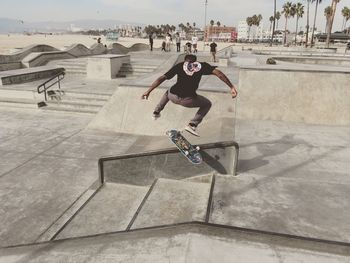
92, 178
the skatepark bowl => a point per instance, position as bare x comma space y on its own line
93, 179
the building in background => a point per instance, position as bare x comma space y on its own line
220, 33
254, 33
258, 33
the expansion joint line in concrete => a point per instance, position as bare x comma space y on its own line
141, 205
210, 200
38, 154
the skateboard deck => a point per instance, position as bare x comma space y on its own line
186, 148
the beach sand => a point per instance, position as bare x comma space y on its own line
13, 42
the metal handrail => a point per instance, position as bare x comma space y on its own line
43, 88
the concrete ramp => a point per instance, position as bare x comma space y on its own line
311, 94
127, 113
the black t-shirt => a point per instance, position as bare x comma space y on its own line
188, 77
213, 47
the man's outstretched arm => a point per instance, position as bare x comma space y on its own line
155, 84
223, 77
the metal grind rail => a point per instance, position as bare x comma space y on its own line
42, 88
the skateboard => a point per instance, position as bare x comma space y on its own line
186, 148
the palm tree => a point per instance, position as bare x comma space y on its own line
346, 14
278, 17
330, 24
299, 11
259, 20
314, 25
218, 25
256, 20
327, 14
288, 11
307, 22
271, 19
211, 24
250, 22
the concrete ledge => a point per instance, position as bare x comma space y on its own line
144, 168
10, 66
28, 74
105, 66
296, 68
329, 61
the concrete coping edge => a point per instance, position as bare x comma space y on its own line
323, 245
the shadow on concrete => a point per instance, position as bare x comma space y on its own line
213, 162
267, 149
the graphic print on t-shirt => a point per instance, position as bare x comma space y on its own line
191, 67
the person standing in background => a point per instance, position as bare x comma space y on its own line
194, 43
213, 46
167, 42
151, 41
178, 42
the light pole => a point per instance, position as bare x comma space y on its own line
205, 22
274, 23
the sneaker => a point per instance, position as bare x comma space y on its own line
155, 115
192, 129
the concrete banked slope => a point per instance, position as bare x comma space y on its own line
127, 113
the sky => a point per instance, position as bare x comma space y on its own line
173, 12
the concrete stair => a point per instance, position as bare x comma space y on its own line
77, 102
135, 69
18, 103
122, 207
74, 66
170, 220
172, 202
115, 205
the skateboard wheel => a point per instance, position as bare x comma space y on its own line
187, 153
198, 148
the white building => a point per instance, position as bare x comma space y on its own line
252, 33
73, 28
242, 30
257, 33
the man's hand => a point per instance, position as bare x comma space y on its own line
145, 96
155, 84
223, 77
233, 92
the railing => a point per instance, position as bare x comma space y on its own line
46, 85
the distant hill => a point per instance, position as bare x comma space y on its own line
15, 25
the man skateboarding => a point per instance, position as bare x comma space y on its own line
189, 74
